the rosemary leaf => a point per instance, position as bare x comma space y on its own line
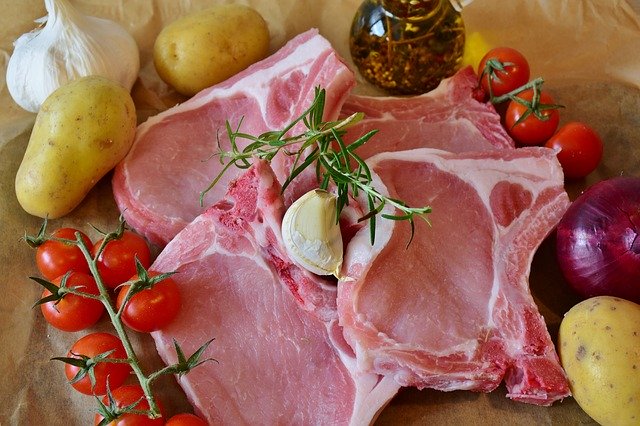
320, 145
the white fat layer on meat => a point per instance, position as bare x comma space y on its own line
301, 59
384, 230
278, 70
372, 390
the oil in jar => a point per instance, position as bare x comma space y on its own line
407, 46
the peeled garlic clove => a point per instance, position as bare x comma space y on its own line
311, 234
69, 46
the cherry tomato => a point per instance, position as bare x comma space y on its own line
153, 308
185, 419
92, 345
72, 312
116, 263
515, 71
531, 130
127, 395
55, 258
580, 149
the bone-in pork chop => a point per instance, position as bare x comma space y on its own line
449, 118
157, 185
453, 309
281, 355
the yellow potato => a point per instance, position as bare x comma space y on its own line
82, 130
599, 343
207, 47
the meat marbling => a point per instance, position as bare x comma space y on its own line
281, 355
453, 309
448, 118
157, 185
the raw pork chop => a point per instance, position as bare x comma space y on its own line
281, 355
448, 118
157, 185
453, 310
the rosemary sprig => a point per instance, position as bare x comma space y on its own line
320, 145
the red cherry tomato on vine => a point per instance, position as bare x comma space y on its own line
580, 149
116, 263
92, 345
73, 312
515, 72
55, 258
153, 308
531, 130
127, 395
185, 419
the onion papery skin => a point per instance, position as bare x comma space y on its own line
598, 246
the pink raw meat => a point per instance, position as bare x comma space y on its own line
281, 355
448, 118
157, 185
453, 310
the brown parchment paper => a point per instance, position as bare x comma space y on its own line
587, 51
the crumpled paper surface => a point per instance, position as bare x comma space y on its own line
586, 51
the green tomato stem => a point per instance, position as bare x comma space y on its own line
83, 294
145, 382
153, 376
533, 84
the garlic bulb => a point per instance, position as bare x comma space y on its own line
69, 46
311, 235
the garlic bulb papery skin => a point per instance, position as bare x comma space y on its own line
69, 46
311, 235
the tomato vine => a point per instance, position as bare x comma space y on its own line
85, 365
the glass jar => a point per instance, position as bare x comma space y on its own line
407, 46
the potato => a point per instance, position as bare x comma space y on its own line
599, 343
207, 47
82, 130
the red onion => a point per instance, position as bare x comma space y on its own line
598, 244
